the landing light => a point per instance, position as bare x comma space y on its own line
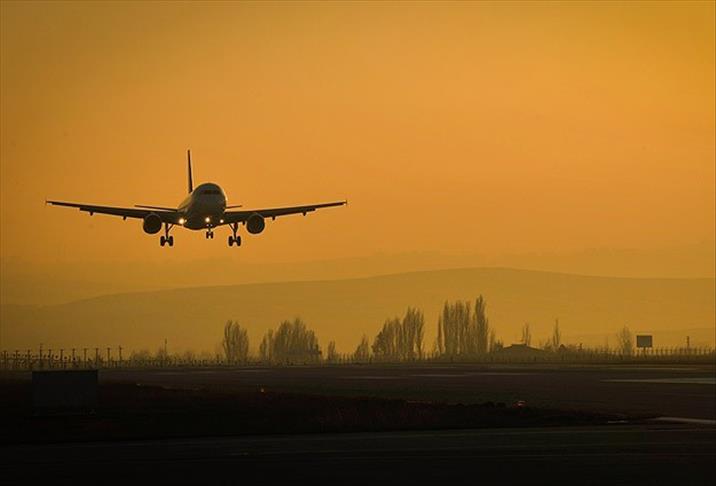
221, 221
182, 220
207, 219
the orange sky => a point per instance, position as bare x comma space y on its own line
453, 127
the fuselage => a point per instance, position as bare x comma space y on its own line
204, 207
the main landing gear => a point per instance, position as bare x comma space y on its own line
234, 238
166, 239
209, 234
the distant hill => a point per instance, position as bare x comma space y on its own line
590, 309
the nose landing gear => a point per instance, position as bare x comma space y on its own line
209, 234
234, 238
166, 239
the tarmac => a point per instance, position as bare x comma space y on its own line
676, 446
614, 454
687, 391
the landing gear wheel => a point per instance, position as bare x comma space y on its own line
234, 238
166, 239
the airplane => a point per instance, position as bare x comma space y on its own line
204, 208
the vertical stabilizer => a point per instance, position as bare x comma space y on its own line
188, 162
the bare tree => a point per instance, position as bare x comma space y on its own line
386, 344
556, 336
331, 354
266, 347
526, 334
142, 357
292, 342
412, 331
493, 341
454, 336
362, 352
401, 340
235, 343
481, 326
625, 343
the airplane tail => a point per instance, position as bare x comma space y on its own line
188, 160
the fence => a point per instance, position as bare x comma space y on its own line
112, 358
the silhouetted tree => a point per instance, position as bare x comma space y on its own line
141, 357
493, 341
413, 329
292, 342
385, 344
453, 329
481, 326
401, 340
462, 332
556, 337
266, 347
331, 354
362, 352
526, 334
625, 343
235, 343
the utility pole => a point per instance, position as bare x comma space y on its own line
96, 357
108, 351
120, 355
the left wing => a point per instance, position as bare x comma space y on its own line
241, 216
171, 217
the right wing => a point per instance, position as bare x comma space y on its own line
273, 213
171, 217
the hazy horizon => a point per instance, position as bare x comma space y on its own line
24, 283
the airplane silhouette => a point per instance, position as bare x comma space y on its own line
203, 208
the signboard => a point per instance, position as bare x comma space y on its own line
644, 341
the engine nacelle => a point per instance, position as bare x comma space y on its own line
152, 223
255, 224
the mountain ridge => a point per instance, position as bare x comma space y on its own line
344, 309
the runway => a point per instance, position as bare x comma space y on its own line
674, 391
617, 454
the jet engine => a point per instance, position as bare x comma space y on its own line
152, 223
255, 224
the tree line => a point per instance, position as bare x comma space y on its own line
463, 332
